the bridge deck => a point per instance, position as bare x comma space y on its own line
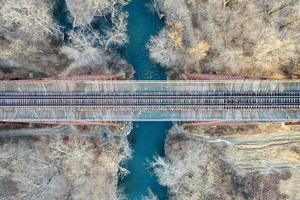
69, 100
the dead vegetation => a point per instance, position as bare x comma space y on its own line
191, 170
252, 38
32, 44
61, 167
84, 11
93, 49
243, 165
30, 39
83, 164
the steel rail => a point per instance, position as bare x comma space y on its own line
138, 100
156, 106
198, 100
143, 97
143, 93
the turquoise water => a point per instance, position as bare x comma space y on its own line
147, 138
141, 25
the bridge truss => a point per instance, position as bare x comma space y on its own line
94, 101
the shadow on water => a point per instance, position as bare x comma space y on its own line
147, 138
64, 20
141, 25
61, 16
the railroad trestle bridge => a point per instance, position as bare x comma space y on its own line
94, 100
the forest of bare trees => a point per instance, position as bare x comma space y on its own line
29, 37
61, 167
254, 38
88, 47
243, 162
190, 170
34, 44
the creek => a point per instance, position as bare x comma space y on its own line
147, 138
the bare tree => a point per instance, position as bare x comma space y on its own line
30, 38
191, 170
84, 48
84, 11
81, 39
28, 174
61, 168
117, 36
185, 172
34, 18
161, 49
254, 38
89, 165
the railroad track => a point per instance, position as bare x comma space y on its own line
153, 100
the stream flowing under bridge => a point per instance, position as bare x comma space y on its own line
91, 101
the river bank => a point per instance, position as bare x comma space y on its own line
147, 138
231, 161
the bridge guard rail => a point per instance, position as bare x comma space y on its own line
101, 101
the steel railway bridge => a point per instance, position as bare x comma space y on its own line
84, 101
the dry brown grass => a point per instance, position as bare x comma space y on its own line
199, 50
175, 33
